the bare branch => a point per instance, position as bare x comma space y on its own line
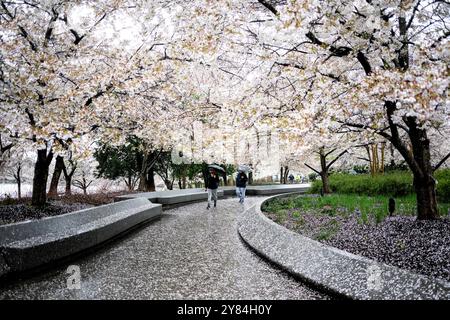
269, 6
312, 169
440, 163
335, 159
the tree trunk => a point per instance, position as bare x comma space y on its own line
142, 182
19, 182
286, 172
59, 167
68, 179
383, 148
424, 182
150, 181
129, 182
418, 159
369, 157
84, 185
391, 149
169, 184
375, 158
325, 182
143, 174
39, 196
426, 198
281, 175
324, 173
184, 182
19, 189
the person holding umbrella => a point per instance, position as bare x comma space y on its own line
212, 184
241, 185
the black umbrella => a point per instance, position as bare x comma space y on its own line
214, 166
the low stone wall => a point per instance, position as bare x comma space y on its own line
171, 197
331, 269
182, 196
276, 189
30, 244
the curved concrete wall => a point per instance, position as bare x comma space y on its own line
29, 244
189, 195
171, 197
329, 268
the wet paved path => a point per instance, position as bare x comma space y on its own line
190, 253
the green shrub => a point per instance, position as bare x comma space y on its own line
396, 167
313, 176
361, 169
392, 184
443, 185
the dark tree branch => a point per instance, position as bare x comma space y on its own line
78, 38
397, 142
8, 13
362, 126
335, 159
342, 51
330, 152
49, 31
26, 36
364, 62
3, 148
97, 95
292, 65
269, 6
30, 116
416, 7
68, 174
313, 169
440, 163
314, 39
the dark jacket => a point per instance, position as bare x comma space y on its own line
241, 180
212, 182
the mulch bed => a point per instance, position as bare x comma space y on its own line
14, 210
402, 241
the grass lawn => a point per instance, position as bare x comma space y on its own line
345, 204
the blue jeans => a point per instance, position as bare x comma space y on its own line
240, 192
212, 195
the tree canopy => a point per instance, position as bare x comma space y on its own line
315, 74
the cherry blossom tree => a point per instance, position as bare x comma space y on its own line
68, 72
17, 165
377, 70
390, 58
51, 71
85, 174
371, 66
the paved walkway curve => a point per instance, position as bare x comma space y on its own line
190, 253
